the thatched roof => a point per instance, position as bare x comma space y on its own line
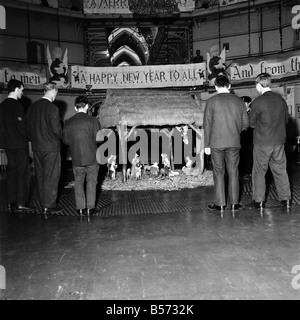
149, 107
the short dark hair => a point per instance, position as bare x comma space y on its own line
13, 84
81, 102
264, 79
222, 81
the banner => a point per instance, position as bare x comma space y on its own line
139, 76
277, 66
122, 6
33, 76
229, 2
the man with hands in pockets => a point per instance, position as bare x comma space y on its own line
225, 117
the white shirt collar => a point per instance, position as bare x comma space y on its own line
47, 98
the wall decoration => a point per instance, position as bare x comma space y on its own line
215, 63
286, 64
33, 76
153, 7
150, 7
58, 67
150, 76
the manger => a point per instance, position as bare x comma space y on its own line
170, 116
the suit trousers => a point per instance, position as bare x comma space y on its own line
18, 175
88, 174
47, 170
275, 157
222, 159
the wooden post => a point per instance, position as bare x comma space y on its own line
199, 146
171, 150
123, 145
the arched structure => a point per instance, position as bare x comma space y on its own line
131, 40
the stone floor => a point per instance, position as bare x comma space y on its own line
154, 245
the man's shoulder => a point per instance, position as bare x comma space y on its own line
276, 94
265, 97
257, 100
4, 101
222, 96
71, 119
91, 119
80, 117
9, 101
39, 102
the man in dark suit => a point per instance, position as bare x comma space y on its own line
14, 140
198, 58
225, 117
79, 134
269, 117
45, 132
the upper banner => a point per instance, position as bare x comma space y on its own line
33, 76
178, 75
286, 64
122, 6
229, 2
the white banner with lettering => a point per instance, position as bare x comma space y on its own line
229, 2
33, 76
177, 75
122, 6
277, 66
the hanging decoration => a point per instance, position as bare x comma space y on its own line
215, 63
154, 7
58, 66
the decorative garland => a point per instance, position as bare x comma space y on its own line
153, 7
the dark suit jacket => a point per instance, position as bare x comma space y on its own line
269, 117
225, 117
44, 126
12, 125
79, 134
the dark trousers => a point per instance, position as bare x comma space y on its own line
90, 175
275, 157
246, 152
47, 170
222, 159
18, 175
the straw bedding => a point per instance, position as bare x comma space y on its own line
180, 181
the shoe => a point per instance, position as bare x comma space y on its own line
236, 207
81, 212
286, 203
11, 207
52, 210
213, 207
25, 208
256, 205
92, 212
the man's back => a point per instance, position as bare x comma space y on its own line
268, 117
43, 126
12, 125
224, 118
80, 135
